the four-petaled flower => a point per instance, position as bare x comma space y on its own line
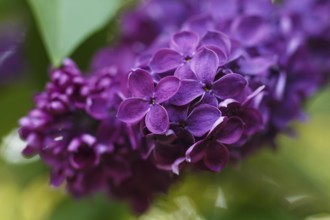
212, 149
183, 48
204, 66
198, 121
146, 100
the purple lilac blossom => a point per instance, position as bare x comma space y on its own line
213, 83
147, 100
75, 131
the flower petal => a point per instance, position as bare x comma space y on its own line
201, 119
196, 152
132, 110
97, 107
216, 157
254, 98
236, 50
157, 119
199, 24
205, 64
176, 165
253, 120
209, 99
250, 29
184, 72
217, 39
166, 88
230, 131
222, 56
257, 65
141, 84
166, 154
185, 42
166, 138
165, 60
188, 91
57, 176
177, 114
229, 86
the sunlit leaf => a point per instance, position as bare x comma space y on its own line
65, 24
11, 148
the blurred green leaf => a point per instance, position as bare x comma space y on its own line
65, 24
15, 101
96, 207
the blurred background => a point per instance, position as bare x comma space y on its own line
292, 182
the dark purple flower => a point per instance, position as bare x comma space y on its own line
68, 81
205, 66
251, 117
147, 99
212, 149
198, 121
183, 48
85, 152
184, 45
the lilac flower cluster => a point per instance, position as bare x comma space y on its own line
215, 81
74, 130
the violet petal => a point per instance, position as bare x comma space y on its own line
157, 119
199, 24
97, 107
185, 42
257, 65
166, 88
253, 120
196, 152
229, 86
132, 110
250, 29
216, 156
177, 114
222, 56
165, 60
209, 99
205, 65
217, 39
188, 91
201, 119
141, 84
230, 131
184, 72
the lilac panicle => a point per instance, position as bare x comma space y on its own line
75, 131
206, 86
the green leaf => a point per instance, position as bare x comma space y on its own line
64, 24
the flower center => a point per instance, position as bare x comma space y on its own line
187, 58
85, 156
183, 124
152, 101
207, 88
